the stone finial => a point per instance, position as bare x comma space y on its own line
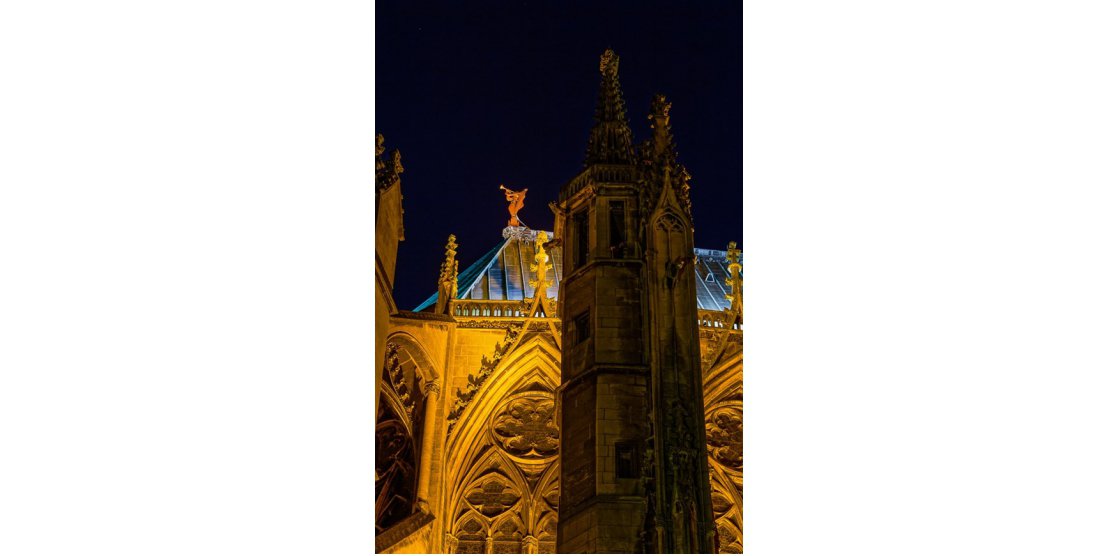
660, 106
608, 63
448, 278
735, 280
540, 267
610, 141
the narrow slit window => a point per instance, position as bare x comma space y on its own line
583, 327
581, 238
617, 240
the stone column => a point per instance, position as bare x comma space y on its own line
452, 543
428, 446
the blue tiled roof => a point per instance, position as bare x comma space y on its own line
503, 273
711, 274
467, 276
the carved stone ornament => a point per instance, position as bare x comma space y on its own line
387, 173
398, 168
448, 286
397, 377
492, 496
540, 266
525, 427
725, 437
729, 538
487, 324
523, 234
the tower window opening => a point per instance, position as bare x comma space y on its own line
617, 228
583, 326
626, 461
581, 238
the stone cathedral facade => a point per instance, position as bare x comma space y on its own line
574, 390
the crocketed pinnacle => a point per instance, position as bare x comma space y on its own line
448, 278
664, 149
611, 141
734, 281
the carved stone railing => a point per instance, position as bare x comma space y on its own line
601, 173
716, 319
481, 308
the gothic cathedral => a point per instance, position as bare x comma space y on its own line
579, 390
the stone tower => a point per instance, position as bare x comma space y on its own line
632, 460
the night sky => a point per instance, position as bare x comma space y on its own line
476, 94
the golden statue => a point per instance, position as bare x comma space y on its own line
541, 266
516, 201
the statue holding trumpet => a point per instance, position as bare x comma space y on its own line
516, 201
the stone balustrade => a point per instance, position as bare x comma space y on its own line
481, 308
716, 319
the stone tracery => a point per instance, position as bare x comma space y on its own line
525, 427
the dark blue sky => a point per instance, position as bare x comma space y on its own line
475, 94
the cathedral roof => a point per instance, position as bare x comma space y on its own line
503, 273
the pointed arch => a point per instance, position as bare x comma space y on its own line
400, 424
505, 435
724, 379
418, 352
534, 364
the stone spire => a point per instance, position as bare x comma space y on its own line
611, 141
659, 152
448, 278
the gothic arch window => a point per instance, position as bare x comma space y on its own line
399, 429
507, 536
670, 223
395, 478
470, 536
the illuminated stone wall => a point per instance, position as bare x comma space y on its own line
486, 451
